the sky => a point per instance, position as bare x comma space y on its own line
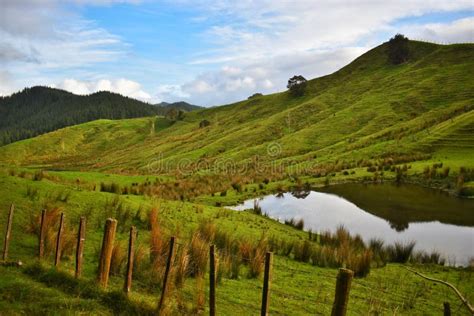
205, 52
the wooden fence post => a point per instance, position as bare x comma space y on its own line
343, 286
106, 252
41, 235
212, 281
165, 279
80, 246
6, 243
266, 284
131, 252
447, 309
57, 258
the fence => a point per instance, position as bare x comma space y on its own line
344, 279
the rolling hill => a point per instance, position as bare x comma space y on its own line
181, 105
367, 111
38, 110
171, 177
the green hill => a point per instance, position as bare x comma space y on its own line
37, 110
367, 121
368, 110
181, 105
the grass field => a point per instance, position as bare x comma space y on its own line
298, 288
370, 121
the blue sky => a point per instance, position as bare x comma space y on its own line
204, 52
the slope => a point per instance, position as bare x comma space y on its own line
38, 110
368, 110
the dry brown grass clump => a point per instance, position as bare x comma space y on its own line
119, 257
198, 255
51, 226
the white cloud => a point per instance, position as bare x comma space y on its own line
39, 38
262, 43
255, 45
122, 86
6, 83
170, 92
458, 31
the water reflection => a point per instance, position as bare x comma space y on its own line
394, 213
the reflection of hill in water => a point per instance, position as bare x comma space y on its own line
404, 204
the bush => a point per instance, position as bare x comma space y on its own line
303, 251
38, 176
255, 95
237, 187
117, 261
360, 263
204, 123
257, 258
400, 252
198, 255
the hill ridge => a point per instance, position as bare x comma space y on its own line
367, 110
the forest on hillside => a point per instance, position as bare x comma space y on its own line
38, 110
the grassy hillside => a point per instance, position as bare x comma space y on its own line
369, 121
369, 109
37, 110
298, 288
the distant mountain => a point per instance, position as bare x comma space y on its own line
38, 110
184, 106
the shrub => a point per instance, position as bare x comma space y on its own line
303, 251
119, 256
400, 252
257, 258
32, 192
237, 187
360, 263
198, 255
157, 246
204, 123
207, 230
38, 175
140, 261
181, 267
255, 95
426, 258
51, 226
300, 224
324, 257
378, 251
256, 208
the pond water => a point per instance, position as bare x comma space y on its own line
435, 220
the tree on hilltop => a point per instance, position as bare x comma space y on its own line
398, 51
297, 85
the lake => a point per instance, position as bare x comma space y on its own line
435, 220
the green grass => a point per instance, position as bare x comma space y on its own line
297, 288
369, 112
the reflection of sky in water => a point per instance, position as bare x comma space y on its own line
322, 211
